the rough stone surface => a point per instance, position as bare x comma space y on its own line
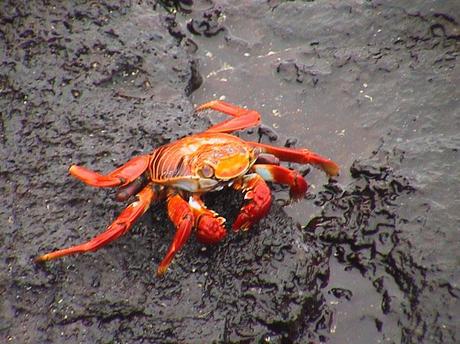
371, 256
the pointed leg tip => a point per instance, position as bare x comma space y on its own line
328, 166
161, 271
206, 106
333, 169
72, 169
41, 259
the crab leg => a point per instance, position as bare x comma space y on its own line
243, 118
259, 197
282, 175
209, 226
302, 156
119, 227
120, 177
181, 215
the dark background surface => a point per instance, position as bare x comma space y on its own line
370, 257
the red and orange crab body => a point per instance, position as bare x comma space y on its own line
181, 171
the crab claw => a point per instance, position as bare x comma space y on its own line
282, 175
259, 197
209, 226
210, 229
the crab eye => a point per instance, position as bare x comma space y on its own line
206, 171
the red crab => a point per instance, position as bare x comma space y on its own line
181, 171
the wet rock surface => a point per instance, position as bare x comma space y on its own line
369, 257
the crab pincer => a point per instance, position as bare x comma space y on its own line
258, 201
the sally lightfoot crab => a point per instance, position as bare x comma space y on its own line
181, 171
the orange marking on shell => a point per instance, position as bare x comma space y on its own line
232, 166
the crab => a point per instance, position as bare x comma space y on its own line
182, 171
